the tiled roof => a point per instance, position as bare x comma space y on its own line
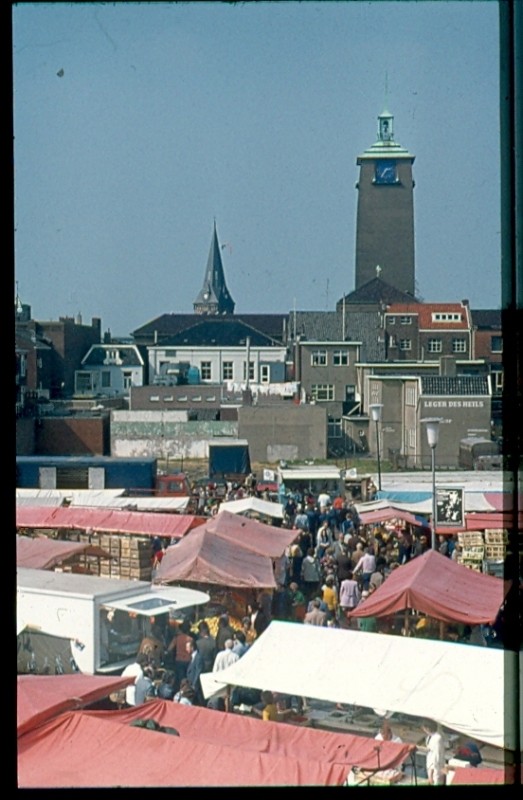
327, 326
376, 291
424, 312
453, 385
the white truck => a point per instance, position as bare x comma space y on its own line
104, 620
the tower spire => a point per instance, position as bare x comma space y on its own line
214, 297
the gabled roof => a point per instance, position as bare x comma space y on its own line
455, 385
210, 331
425, 312
376, 291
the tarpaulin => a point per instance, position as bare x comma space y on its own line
266, 540
108, 521
44, 553
440, 588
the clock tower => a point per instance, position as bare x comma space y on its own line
385, 214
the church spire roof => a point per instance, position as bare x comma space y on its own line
214, 297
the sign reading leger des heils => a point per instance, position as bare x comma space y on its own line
449, 506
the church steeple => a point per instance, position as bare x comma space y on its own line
214, 297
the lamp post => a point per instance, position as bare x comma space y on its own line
432, 427
375, 412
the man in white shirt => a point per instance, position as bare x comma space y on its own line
225, 657
134, 670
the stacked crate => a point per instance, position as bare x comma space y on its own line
495, 544
131, 557
472, 550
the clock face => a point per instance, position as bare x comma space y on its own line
385, 171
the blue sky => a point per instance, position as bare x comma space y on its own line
136, 125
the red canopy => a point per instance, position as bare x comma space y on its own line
266, 540
97, 749
107, 520
382, 514
39, 698
44, 553
204, 557
440, 588
482, 775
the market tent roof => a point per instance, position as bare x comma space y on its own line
418, 677
250, 504
204, 557
213, 749
440, 588
266, 540
44, 553
176, 504
387, 512
494, 519
67, 495
39, 698
107, 521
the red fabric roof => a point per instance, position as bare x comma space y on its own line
44, 553
213, 749
479, 521
482, 775
107, 520
440, 588
205, 557
39, 698
267, 540
382, 514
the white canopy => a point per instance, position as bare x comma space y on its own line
98, 500
253, 504
460, 686
96, 497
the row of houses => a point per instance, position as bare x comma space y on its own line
193, 368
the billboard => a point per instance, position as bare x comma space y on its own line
449, 506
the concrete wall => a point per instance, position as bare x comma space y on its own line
285, 431
25, 436
164, 434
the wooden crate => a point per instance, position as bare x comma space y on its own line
496, 536
473, 553
495, 551
475, 565
470, 538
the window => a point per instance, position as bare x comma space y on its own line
497, 380
84, 382
127, 380
406, 320
106, 379
205, 370
434, 346
251, 370
411, 433
322, 391
459, 345
265, 373
496, 344
447, 317
340, 358
392, 320
334, 428
227, 371
405, 344
319, 358
392, 341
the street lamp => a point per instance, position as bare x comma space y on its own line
375, 412
432, 427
